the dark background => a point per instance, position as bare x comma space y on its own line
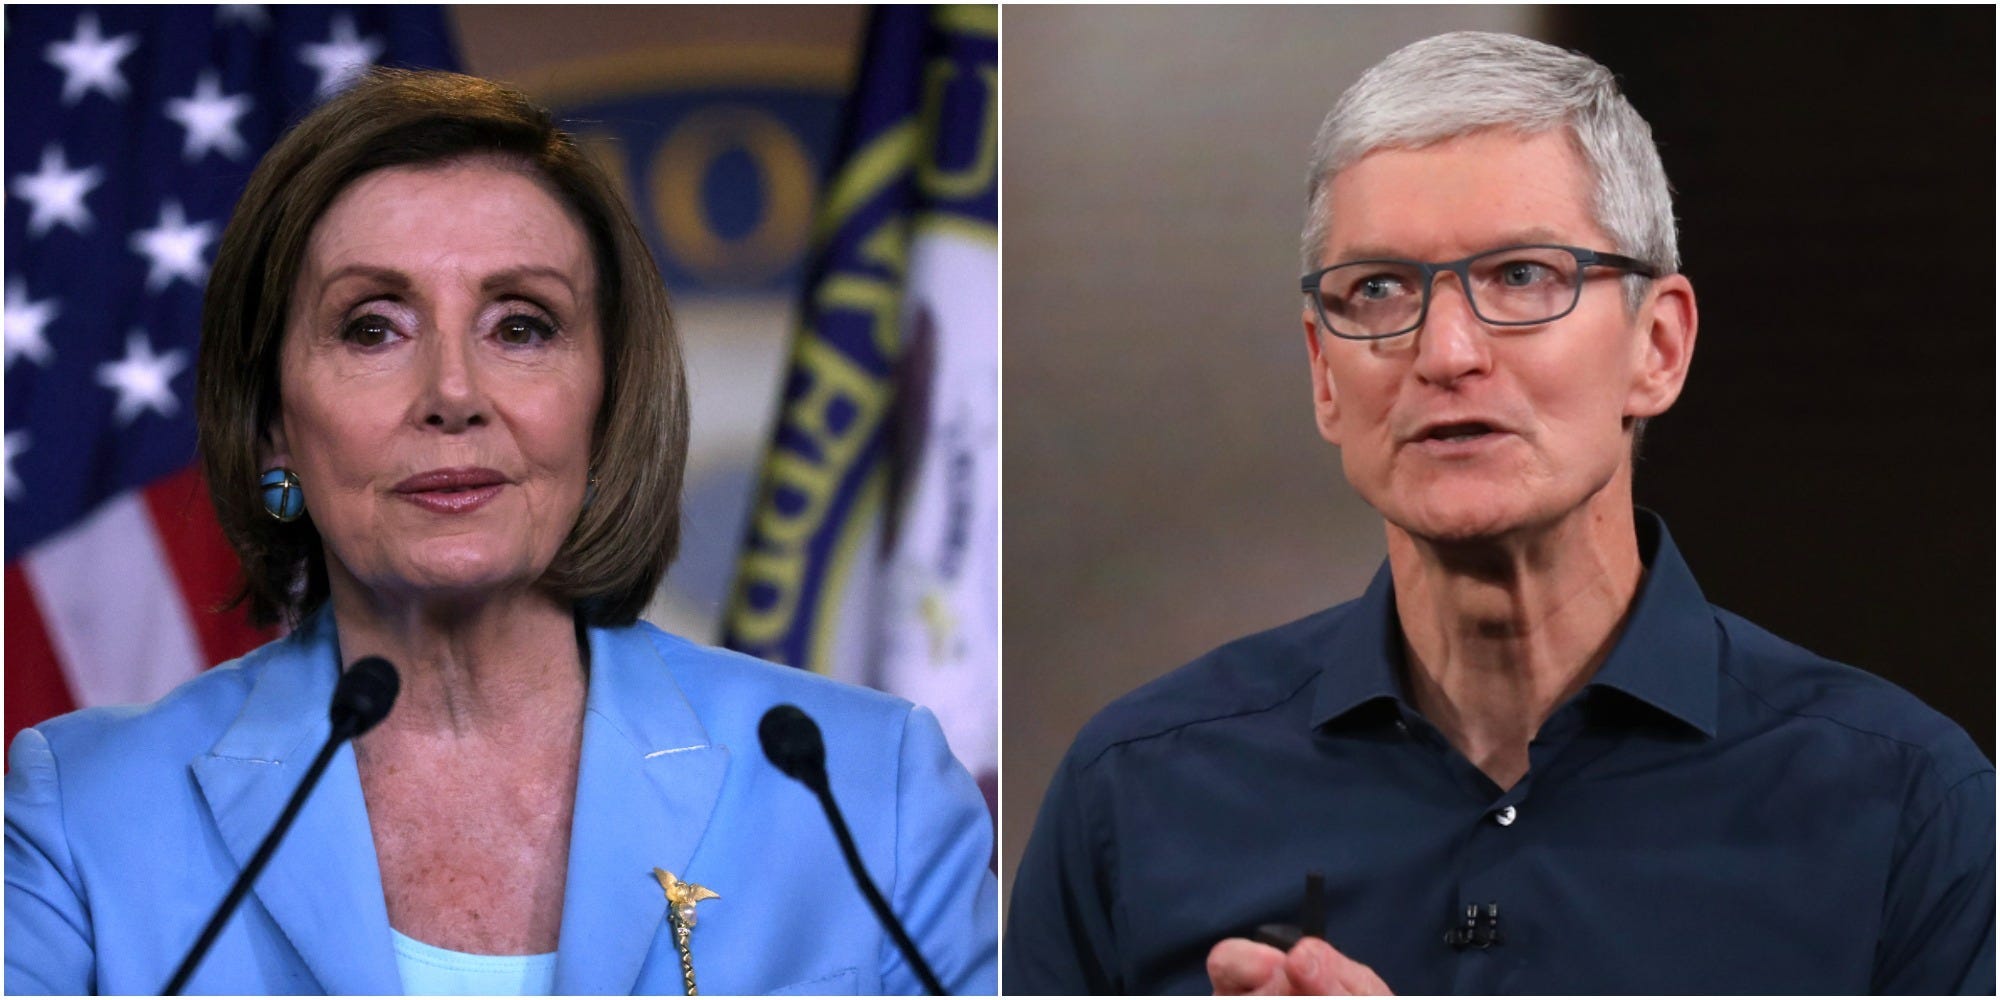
1829, 470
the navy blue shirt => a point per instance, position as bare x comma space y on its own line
1718, 811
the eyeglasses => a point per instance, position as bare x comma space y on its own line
1512, 286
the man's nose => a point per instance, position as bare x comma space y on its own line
1453, 343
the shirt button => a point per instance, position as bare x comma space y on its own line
1505, 817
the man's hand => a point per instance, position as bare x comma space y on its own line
1237, 967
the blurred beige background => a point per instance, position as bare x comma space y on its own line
1164, 488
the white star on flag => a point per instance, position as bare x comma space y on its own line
341, 58
89, 61
55, 192
174, 248
25, 321
142, 379
250, 15
17, 443
210, 116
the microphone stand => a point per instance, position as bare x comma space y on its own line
792, 742
874, 895
364, 695
256, 865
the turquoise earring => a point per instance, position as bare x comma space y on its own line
283, 499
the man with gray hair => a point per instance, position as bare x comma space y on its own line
1531, 757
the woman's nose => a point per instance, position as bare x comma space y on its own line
452, 398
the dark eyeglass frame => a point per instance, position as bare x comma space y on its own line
1309, 284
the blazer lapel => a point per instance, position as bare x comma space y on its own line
322, 886
648, 779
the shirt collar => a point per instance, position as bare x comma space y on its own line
1666, 656
1364, 658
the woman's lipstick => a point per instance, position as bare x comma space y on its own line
451, 491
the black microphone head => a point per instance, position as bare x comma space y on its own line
791, 740
364, 695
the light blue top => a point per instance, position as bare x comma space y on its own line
431, 971
126, 825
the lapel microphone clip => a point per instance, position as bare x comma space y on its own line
1480, 930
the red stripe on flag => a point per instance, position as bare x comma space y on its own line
203, 564
36, 690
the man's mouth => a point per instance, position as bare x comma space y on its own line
1459, 431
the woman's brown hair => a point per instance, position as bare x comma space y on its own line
625, 538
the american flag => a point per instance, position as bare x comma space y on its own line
130, 132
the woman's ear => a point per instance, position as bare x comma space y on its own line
273, 452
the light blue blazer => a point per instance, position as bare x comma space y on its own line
125, 827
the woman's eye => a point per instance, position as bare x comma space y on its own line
522, 329
367, 331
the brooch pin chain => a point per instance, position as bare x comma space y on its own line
681, 897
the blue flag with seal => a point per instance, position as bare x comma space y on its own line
873, 549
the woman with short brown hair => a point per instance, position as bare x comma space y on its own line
444, 420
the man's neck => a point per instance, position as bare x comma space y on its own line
1501, 632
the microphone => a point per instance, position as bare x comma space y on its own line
792, 742
1312, 918
362, 697
1478, 931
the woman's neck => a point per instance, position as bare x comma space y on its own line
507, 662
470, 782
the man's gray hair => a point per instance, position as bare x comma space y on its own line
1451, 85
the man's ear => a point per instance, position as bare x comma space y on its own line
1326, 397
1668, 319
